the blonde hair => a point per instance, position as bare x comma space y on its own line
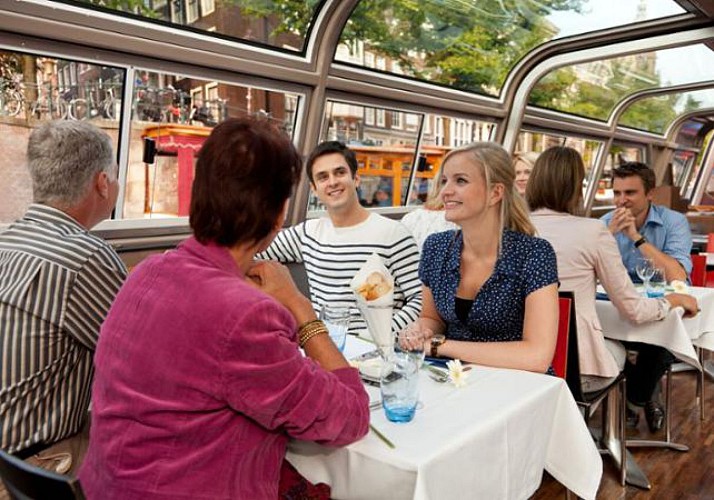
529, 158
497, 168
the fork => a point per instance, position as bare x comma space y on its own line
436, 375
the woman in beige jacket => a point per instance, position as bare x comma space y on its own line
586, 253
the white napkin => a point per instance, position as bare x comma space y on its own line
373, 280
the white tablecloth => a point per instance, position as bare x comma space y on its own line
490, 439
679, 335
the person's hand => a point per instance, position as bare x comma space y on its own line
623, 221
414, 336
687, 302
274, 279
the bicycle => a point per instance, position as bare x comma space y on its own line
11, 99
45, 105
88, 108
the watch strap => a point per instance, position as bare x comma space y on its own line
640, 242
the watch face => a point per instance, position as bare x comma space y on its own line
438, 339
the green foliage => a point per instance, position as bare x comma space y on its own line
653, 114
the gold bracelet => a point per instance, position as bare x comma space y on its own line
307, 324
313, 332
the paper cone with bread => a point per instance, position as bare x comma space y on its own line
373, 286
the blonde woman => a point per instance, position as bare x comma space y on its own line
523, 164
490, 288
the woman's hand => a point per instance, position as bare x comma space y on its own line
687, 302
274, 279
415, 335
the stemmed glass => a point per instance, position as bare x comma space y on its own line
645, 268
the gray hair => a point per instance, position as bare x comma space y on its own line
63, 157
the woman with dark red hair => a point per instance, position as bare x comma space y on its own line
200, 381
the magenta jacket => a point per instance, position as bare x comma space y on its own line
199, 385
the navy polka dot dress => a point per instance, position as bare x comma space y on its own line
525, 265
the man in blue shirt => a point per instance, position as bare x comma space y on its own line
645, 230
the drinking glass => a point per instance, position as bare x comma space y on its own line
645, 269
411, 340
399, 386
657, 284
337, 321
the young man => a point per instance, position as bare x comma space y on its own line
334, 248
645, 230
57, 282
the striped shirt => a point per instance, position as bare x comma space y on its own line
333, 255
57, 282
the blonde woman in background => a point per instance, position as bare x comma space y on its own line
523, 164
490, 288
428, 219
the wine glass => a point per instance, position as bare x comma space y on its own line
645, 268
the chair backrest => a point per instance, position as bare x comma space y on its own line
710, 242
566, 362
699, 270
28, 482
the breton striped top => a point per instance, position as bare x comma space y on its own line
57, 282
333, 255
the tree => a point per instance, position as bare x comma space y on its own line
467, 45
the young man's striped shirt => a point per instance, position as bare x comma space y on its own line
333, 255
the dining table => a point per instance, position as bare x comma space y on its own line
676, 333
681, 336
490, 438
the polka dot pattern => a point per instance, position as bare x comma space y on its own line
525, 265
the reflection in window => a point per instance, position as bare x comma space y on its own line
282, 24
655, 114
593, 89
177, 113
386, 153
34, 89
708, 197
681, 164
473, 45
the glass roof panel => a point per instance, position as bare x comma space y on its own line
281, 24
472, 45
655, 114
593, 89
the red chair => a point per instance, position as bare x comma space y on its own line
699, 270
566, 364
710, 243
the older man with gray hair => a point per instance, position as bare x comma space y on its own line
57, 282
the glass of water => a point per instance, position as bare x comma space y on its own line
399, 386
337, 321
411, 340
657, 284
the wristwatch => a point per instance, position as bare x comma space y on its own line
436, 341
640, 242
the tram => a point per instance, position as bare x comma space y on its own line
400, 82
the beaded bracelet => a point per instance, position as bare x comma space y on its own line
307, 324
309, 332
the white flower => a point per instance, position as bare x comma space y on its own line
679, 286
457, 374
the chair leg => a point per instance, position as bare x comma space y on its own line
623, 437
700, 383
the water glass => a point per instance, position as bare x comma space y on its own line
337, 321
399, 385
657, 284
411, 340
